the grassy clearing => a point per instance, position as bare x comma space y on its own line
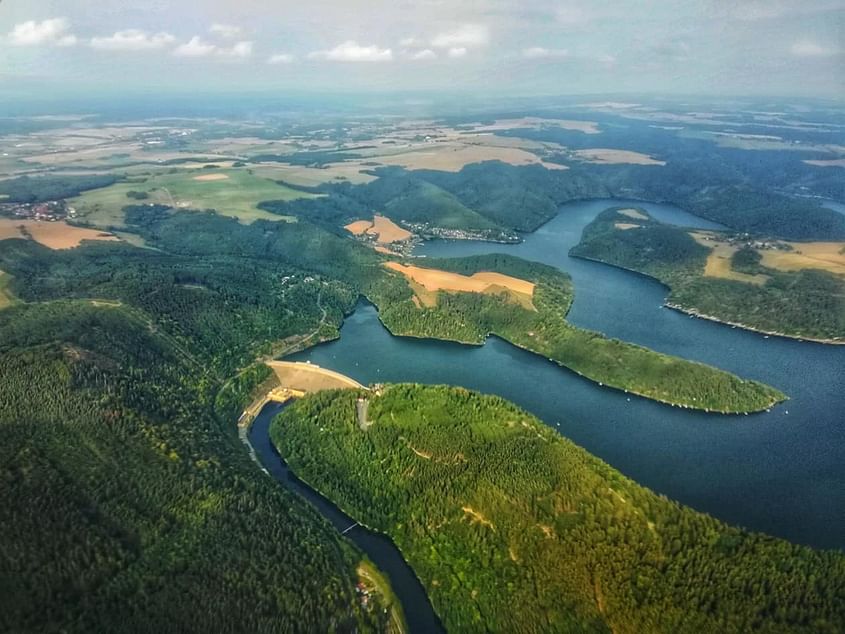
312, 176
235, 193
6, 297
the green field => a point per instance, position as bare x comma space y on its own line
6, 297
512, 528
237, 195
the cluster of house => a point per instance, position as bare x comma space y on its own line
49, 211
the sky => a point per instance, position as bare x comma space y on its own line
504, 47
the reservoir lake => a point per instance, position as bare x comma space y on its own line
780, 472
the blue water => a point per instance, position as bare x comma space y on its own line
419, 614
781, 472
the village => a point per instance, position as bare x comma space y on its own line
49, 211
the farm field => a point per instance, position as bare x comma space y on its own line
827, 256
55, 235
232, 192
426, 283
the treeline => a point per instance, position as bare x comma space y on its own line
471, 317
35, 189
127, 505
805, 303
512, 528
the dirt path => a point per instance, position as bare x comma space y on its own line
361, 407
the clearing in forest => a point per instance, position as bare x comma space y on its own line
424, 282
55, 235
613, 157
384, 229
827, 256
633, 213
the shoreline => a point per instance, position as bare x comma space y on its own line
799, 338
596, 382
694, 312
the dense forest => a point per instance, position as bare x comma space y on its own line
36, 189
808, 303
127, 502
471, 317
513, 528
499, 197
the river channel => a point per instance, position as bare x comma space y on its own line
779, 472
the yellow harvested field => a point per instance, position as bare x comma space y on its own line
212, 177
388, 231
719, 261
615, 157
385, 250
454, 156
384, 229
828, 256
55, 235
827, 162
359, 227
625, 225
633, 213
483, 282
719, 265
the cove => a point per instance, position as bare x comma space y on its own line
778, 472
382, 551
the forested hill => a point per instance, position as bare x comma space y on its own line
805, 303
494, 196
541, 327
128, 505
513, 528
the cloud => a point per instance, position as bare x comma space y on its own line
457, 51
677, 50
132, 40
409, 41
572, 16
227, 31
280, 58
758, 10
53, 31
195, 48
538, 52
351, 51
424, 54
465, 36
807, 48
241, 50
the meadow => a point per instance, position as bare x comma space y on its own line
235, 193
